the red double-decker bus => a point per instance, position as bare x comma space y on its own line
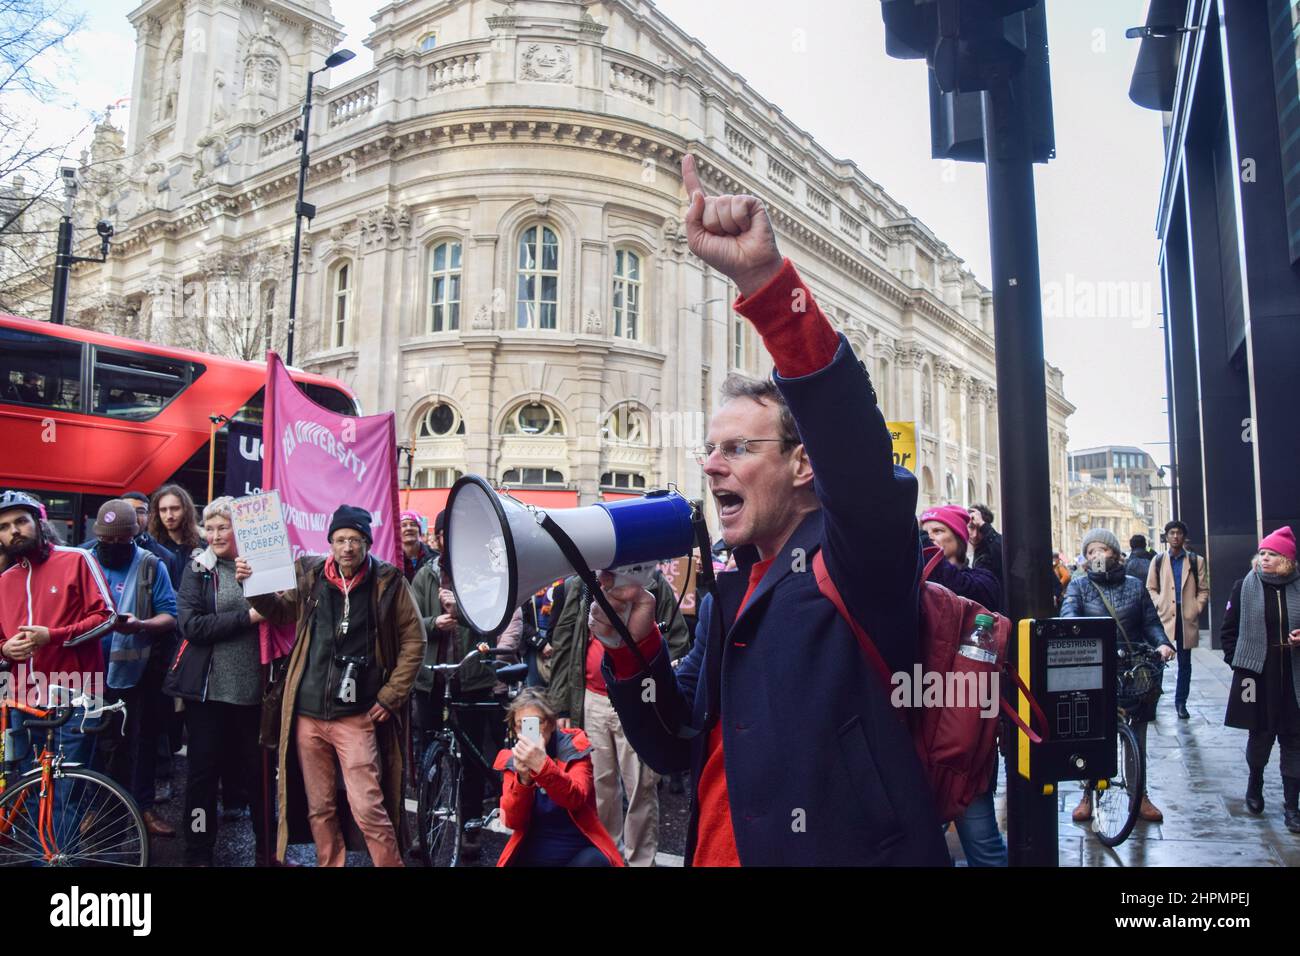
85, 416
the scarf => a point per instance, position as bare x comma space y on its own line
345, 586
1252, 641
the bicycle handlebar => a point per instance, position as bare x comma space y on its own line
482, 650
60, 714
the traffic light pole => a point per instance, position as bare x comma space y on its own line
1022, 417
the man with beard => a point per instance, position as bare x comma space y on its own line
173, 523
54, 608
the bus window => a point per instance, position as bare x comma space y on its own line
40, 370
135, 386
331, 398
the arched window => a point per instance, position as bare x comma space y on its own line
428, 42
927, 483
440, 420
626, 423
627, 294
533, 418
532, 476
950, 488
444, 287
341, 304
538, 289
970, 491
436, 477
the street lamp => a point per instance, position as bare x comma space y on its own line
301, 208
63, 257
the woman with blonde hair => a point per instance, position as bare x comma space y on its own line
1261, 637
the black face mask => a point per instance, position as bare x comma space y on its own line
115, 556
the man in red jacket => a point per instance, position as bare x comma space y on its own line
54, 608
818, 769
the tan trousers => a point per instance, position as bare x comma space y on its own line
354, 740
617, 768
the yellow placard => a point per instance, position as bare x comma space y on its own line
903, 435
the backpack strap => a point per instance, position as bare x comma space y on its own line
832, 593
145, 577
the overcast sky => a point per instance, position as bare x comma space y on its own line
825, 67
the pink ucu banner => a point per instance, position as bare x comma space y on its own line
318, 460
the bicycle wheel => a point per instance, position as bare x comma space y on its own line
437, 809
93, 822
1117, 805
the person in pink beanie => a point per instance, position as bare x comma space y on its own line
1261, 638
945, 529
945, 541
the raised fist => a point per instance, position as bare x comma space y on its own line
731, 233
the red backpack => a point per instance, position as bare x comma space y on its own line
956, 744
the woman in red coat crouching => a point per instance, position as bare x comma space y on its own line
547, 796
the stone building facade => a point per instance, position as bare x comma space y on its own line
498, 253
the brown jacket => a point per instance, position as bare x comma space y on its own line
1195, 594
398, 650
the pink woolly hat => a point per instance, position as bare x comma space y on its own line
412, 516
954, 516
1282, 541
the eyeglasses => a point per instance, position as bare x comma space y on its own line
733, 448
349, 542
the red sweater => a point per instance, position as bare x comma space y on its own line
801, 341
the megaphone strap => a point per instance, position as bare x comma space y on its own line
574, 556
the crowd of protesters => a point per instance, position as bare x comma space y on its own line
762, 698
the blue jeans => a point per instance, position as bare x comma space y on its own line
981, 840
1184, 685
78, 748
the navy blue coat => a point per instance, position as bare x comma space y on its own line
819, 768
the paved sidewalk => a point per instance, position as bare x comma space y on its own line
1197, 777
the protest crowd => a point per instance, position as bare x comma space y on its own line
769, 709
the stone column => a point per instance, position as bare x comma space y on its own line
480, 349
943, 427
591, 357
980, 395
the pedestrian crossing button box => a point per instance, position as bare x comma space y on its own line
1069, 665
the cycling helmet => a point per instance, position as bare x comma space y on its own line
17, 499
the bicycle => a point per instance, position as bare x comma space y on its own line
441, 771
1118, 800
60, 813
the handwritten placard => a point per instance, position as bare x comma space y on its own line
263, 542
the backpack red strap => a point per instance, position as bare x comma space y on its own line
1035, 710
832, 593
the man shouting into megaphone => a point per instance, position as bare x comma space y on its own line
796, 755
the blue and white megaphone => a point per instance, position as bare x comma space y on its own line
499, 554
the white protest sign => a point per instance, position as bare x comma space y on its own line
264, 543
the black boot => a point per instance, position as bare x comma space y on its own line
1255, 792
1291, 797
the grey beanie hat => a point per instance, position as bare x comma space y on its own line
1105, 537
